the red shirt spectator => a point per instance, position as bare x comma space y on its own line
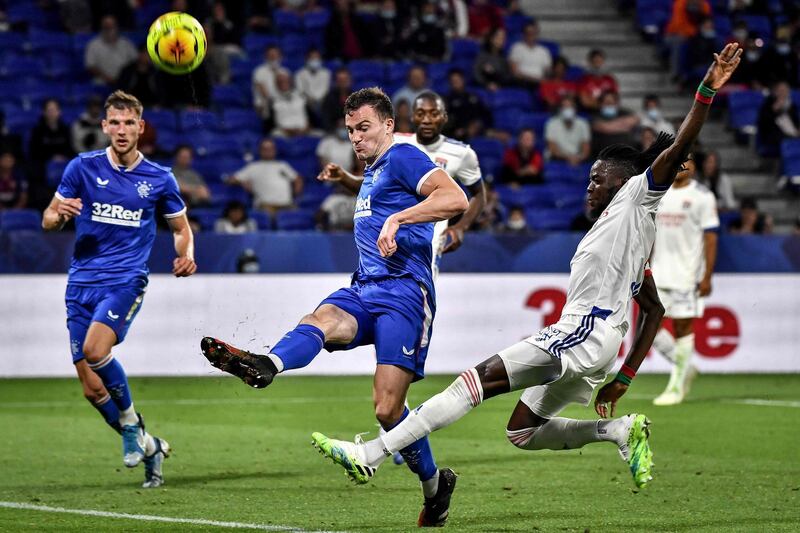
522, 164
686, 17
596, 81
483, 17
554, 88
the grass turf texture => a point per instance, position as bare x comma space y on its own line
720, 465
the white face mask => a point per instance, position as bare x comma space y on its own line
609, 111
654, 114
568, 113
342, 134
314, 64
516, 224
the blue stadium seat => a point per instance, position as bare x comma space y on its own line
307, 167
465, 49
22, 121
790, 149
286, 21
791, 168
553, 46
723, 26
313, 197
574, 73
167, 140
161, 119
397, 72
229, 96
315, 21
437, 72
216, 168
79, 93
487, 147
294, 46
43, 42
297, 219
743, 109
219, 145
255, 44
652, 16
13, 41
21, 66
241, 119
262, 218
549, 219
242, 69
294, 147
519, 196
198, 120
34, 96
54, 171
20, 219
222, 193
367, 69
560, 171
758, 24
519, 99
207, 216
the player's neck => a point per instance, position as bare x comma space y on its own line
124, 160
681, 184
428, 142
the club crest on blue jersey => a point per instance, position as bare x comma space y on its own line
143, 188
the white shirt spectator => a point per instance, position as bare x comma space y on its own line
569, 139
656, 122
339, 209
109, 57
333, 149
264, 75
313, 84
223, 225
532, 61
269, 181
290, 111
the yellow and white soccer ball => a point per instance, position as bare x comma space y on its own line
176, 43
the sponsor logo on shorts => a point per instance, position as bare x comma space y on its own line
116, 214
408, 352
111, 315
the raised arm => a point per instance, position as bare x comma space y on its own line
651, 312
669, 162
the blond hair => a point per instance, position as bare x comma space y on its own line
123, 100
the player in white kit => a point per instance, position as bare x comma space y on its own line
563, 363
459, 160
682, 263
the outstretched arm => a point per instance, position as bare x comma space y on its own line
651, 312
333, 172
669, 162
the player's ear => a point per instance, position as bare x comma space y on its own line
141, 126
389, 125
104, 124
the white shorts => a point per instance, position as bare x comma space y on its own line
587, 347
681, 303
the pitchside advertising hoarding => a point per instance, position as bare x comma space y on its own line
750, 323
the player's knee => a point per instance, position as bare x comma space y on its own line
94, 352
387, 413
521, 438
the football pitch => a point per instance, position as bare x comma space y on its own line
727, 460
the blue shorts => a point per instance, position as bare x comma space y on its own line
116, 307
394, 314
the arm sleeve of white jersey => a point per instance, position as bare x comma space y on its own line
709, 219
644, 191
470, 171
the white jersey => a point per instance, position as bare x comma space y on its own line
607, 269
684, 215
460, 161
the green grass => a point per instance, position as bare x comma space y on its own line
720, 465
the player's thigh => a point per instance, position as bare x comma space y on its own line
93, 388
542, 402
528, 365
683, 326
115, 311
343, 319
100, 338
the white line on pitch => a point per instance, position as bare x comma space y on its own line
152, 518
199, 401
740, 401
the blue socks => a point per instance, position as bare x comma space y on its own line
299, 347
115, 380
418, 455
108, 409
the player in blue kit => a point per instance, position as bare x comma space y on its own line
391, 302
114, 195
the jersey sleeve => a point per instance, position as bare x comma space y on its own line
171, 205
412, 167
470, 172
644, 191
70, 185
709, 219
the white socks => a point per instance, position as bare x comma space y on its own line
128, 417
665, 344
567, 434
684, 346
276, 361
440, 411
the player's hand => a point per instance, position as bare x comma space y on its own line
609, 394
69, 207
386, 242
331, 172
183, 267
455, 235
723, 66
704, 287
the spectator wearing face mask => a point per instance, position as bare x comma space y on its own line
778, 62
682, 26
596, 81
651, 116
313, 82
388, 32
750, 74
335, 147
702, 46
516, 223
751, 220
568, 136
612, 124
428, 42
777, 120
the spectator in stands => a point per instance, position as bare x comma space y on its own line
402, 119
264, 87
647, 136
739, 33
516, 222
568, 136
468, 116
218, 61
289, 108
13, 185
556, 86
718, 182
273, 183
333, 105
335, 147
191, 90
108, 53
652, 117
9, 142
684, 24
484, 18
778, 61
700, 47
416, 83
87, 130
522, 163
388, 32
50, 139
191, 184
313, 82
596, 81
428, 43
612, 124
75, 15
227, 36
492, 69
141, 79
777, 120
235, 220
493, 211
530, 61
345, 33
336, 211
750, 73
751, 220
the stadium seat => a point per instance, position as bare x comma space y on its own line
43, 42
161, 119
222, 193
206, 216
13, 41
198, 120
20, 219
241, 119
758, 24
790, 149
79, 93
486, 146
465, 49
397, 72
552, 46
54, 171
743, 109
307, 167
519, 99
216, 168
524, 196
315, 21
294, 147
262, 218
549, 219
313, 197
229, 96
168, 140
652, 16
367, 69
22, 121
294, 46
437, 72
287, 22
297, 219
255, 44
560, 171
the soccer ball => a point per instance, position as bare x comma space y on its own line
176, 43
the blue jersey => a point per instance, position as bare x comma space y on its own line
117, 225
392, 184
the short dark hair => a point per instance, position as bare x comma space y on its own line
123, 100
429, 96
651, 97
455, 70
630, 160
373, 97
594, 52
184, 147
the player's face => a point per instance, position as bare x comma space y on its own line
123, 126
603, 185
686, 172
369, 135
429, 118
